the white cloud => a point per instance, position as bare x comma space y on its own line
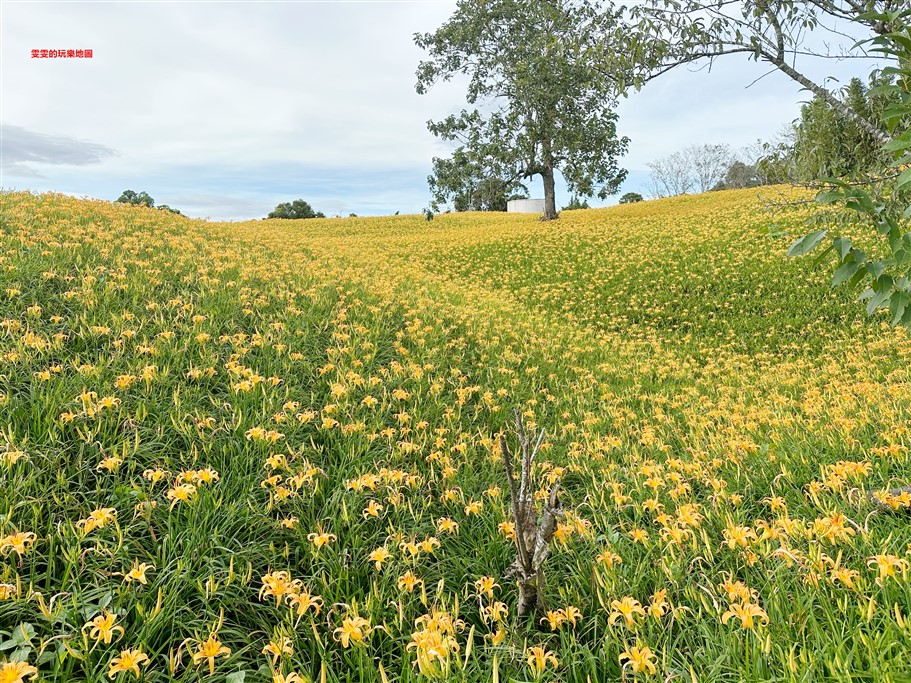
23, 148
216, 82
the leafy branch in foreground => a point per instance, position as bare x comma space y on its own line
665, 34
884, 202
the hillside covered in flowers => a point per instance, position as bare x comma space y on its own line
269, 451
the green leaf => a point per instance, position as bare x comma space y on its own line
906, 318
897, 145
903, 179
236, 677
822, 255
898, 303
861, 203
842, 246
902, 40
21, 654
835, 181
807, 243
856, 280
23, 634
875, 268
829, 197
881, 296
45, 657
875, 302
844, 272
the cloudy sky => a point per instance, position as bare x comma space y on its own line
224, 109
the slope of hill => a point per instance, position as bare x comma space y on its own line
221, 436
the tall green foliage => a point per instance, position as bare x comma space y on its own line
882, 202
463, 183
828, 143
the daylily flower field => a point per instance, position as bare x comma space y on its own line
269, 451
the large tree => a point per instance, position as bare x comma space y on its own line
541, 105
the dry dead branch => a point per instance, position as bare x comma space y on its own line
533, 535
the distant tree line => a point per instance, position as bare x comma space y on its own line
295, 210
142, 199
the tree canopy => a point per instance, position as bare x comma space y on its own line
827, 143
576, 203
461, 182
541, 105
739, 175
137, 198
631, 198
296, 209
873, 123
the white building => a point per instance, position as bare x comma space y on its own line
525, 206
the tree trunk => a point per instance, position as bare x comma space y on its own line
533, 537
529, 595
550, 198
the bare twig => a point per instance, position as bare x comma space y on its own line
533, 536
